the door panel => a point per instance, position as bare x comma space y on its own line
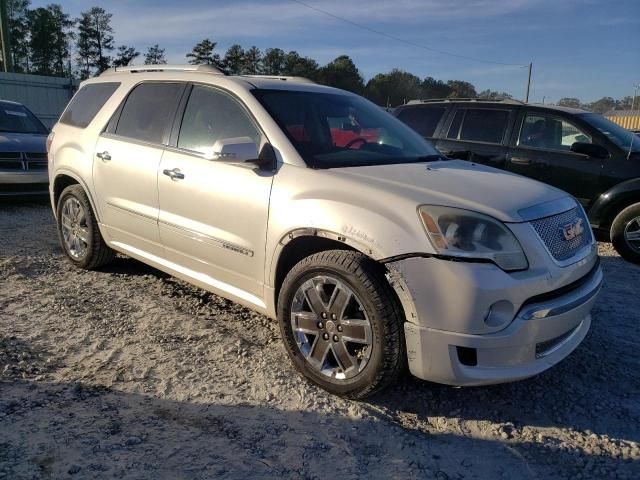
491, 155
214, 219
125, 180
213, 215
126, 161
543, 153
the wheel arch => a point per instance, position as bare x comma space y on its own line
612, 202
303, 242
62, 180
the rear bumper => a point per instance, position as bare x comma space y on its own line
544, 330
24, 183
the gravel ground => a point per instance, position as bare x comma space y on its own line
129, 373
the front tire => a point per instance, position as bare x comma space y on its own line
342, 324
625, 233
78, 230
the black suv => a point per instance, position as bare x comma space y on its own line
592, 158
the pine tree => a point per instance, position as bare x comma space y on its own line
273, 61
17, 23
233, 59
155, 56
252, 61
125, 56
49, 40
202, 54
94, 41
62, 36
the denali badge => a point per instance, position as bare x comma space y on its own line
572, 230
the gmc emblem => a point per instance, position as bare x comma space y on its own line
572, 230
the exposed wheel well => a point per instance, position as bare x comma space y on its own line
61, 182
615, 209
299, 248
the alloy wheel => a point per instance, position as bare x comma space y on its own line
632, 234
75, 231
331, 327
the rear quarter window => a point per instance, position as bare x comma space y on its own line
423, 120
87, 103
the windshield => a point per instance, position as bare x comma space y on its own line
17, 119
618, 135
336, 130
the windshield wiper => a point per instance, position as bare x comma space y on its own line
430, 158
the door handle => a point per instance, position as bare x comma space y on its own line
520, 160
174, 174
104, 156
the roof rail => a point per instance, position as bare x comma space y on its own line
164, 68
508, 101
284, 78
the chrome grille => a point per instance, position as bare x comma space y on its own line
36, 161
23, 161
551, 232
11, 161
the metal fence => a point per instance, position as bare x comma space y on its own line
44, 96
629, 119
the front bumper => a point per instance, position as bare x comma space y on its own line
24, 183
525, 336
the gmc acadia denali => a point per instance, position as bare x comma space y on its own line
317, 208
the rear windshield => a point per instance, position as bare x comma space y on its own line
337, 130
15, 118
87, 103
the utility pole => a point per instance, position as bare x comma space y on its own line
526, 100
7, 64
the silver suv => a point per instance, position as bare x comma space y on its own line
317, 208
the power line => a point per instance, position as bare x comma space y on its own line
402, 40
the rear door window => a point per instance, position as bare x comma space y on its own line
484, 125
87, 103
148, 111
423, 120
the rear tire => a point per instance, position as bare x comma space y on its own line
352, 343
78, 230
625, 233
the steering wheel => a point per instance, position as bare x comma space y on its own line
356, 140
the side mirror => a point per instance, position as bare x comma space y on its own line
590, 149
235, 150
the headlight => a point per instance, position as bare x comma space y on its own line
463, 233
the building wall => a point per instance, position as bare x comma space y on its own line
630, 122
44, 96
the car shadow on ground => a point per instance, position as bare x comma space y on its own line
59, 430
123, 265
599, 399
596, 389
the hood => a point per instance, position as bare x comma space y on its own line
456, 183
23, 142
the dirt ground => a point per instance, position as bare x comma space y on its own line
129, 373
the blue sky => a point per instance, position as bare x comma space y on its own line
581, 48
